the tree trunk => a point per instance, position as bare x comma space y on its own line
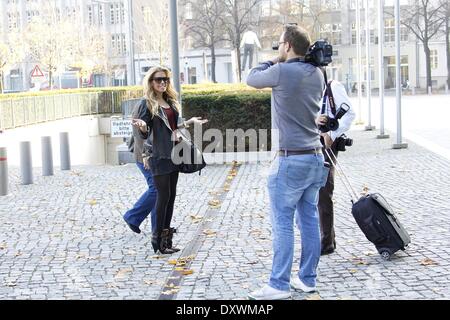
1, 82
50, 78
213, 63
239, 64
428, 64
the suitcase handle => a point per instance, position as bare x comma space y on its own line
336, 164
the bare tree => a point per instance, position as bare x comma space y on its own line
11, 52
238, 16
154, 29
207, 27
89, 53
423, 19
51, 39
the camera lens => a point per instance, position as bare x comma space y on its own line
333, 124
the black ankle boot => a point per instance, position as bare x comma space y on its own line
170, 238
159, 242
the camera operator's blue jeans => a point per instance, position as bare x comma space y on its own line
294, 184
145, 204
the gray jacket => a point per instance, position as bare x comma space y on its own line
297, 90
138, 140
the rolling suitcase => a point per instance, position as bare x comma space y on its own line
375, 218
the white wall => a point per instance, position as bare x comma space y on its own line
90, 143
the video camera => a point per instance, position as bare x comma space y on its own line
319, 54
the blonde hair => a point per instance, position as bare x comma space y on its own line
149, 94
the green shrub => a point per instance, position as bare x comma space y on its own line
230, 110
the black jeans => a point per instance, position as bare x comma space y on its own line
326, 210
166, 185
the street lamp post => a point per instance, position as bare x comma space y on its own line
368, 70
174, 45
382, 134
399, 144
131, 41
358, 59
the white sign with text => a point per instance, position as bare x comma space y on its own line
121, 129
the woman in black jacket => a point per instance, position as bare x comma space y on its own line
158, 123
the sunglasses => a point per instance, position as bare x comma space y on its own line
161, 79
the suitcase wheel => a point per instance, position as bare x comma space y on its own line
386, 255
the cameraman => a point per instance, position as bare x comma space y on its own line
336, 141
298, 172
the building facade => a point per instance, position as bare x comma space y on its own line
110, 18
135, 35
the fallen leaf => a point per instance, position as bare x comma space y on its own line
3, 246
122, 273
209, 233
18, 254
359, 261
179, 269
365, 191
187, 272
353, 271
173, 262
214, 204
196, 219
93, 202
428, 262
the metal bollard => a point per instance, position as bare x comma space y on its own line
26, 163
3, 172
64, 151
47, 156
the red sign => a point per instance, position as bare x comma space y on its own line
37, 72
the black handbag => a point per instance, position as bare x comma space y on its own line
194, 161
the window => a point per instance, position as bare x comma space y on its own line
434, 59
112, 19
265, 8
331, 32
90, 16
100, 14
389, 30
122, 13
189, 12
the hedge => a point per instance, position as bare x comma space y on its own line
226, 106
229, 110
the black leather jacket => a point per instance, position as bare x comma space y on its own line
159, 137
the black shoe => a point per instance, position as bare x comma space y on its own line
169, 240
159, 243
327, 250
133, 227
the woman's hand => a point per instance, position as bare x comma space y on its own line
141, 124
196, 120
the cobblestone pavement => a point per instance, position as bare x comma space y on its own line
64, 238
